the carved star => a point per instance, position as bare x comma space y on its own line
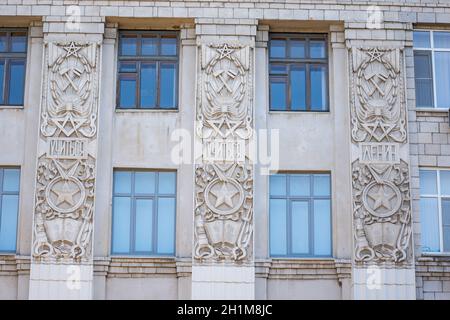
231, 125
372, 129
72, 49
74, 124
382, 198
65, 195
225, 52
224, 195
375, 54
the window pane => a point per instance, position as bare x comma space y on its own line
148, 85
149, 46
144, 225
277, 48
122, 182
8, 222
445, 182
300, 227
277, 185
11, 178
3, 44
16, 82
129, 45
278, 69
446, 223
424, 78
167, 86
127, 67
277, 209
321, 185
442, 71
166, 182
441, 39
166, 225
127, 93
18, 42
278, 99
318, 88
298, 88
424, 93
422, 65
446, 235
297, 48
144, 182
299, 185
429, 221
421, 39
322, 227
317, 49
168, 46
428, 182
2, 75
121, 225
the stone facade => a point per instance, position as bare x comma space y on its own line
372, 105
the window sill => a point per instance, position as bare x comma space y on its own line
298, 112
435, 254
11, 107
327, 258
432, 110
146, 110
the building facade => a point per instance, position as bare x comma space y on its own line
209, 149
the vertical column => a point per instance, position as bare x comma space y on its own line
62, 264
383, 266
223, 262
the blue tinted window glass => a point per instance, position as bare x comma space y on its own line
144, 225
278, 99
128, 45
278, 69
16, 81
167, 85
299, 185
428, 182
322, 227
278, 224
127, 92
446, 224
148, 85
8, 223
445, 182
3, 43
278, 185
318, 88
277, 48
166, 182
168, 46
321, 185
429, 221
122, 182
421, 39
441, 39
442, 81
18, 42
166, 225
144, 182
11, 179
423, 79
317, 49
127, 67
121, 225
300, 227
298, 88
297, 48
2, 76
149, 46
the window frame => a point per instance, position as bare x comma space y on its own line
133, 197
439, 197
431, 50
307, 63
157, 59
2, 193
8, 56
310, 199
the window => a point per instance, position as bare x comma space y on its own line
300, 215
9, 208
298, 72
432, 68
148, 70
435, 210
144, 213
13, 54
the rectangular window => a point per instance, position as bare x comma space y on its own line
148, 70
432, 68
13, 54
298, 72
300, 215
435, 210
9, 208
144, 206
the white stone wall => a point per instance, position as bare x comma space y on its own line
124, 135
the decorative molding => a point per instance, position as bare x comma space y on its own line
65, 177
224, 177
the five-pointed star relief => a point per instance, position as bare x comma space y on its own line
217, 125
225, 52
72, 49
375, 54
224, 195
65, 194
74, 124
382, 198
372, 129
